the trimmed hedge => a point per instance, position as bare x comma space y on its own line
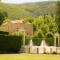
4, 33
10, 43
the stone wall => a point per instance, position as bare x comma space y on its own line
41, 50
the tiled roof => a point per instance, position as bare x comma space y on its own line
19, 21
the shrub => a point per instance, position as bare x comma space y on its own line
49, 39
27, 39
10, 43
37, 38
3, 33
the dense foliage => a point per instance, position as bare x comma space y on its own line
3, 16
44, 25
58, 15
10, 43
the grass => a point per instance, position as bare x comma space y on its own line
29, 57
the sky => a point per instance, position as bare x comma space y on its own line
23, 1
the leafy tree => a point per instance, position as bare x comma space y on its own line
58, 15
3, 16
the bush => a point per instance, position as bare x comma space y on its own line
27, 39
49, 39
3, 33
10, 43
37, 38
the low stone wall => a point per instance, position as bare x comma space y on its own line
41, 50
58, 50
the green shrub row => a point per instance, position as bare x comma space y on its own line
10, 43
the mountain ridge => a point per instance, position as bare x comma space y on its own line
16, 11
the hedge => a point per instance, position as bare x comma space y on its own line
10, 43
4, 33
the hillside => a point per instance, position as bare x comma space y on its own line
26, 10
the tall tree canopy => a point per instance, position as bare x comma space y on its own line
58, 15
3, 16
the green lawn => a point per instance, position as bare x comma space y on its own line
29, 57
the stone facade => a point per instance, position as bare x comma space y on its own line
15, 25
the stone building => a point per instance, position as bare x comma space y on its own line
15, 25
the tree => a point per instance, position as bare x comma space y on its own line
58, 17
3, 16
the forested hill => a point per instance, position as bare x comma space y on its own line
16, 11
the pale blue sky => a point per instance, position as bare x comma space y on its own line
23, 1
